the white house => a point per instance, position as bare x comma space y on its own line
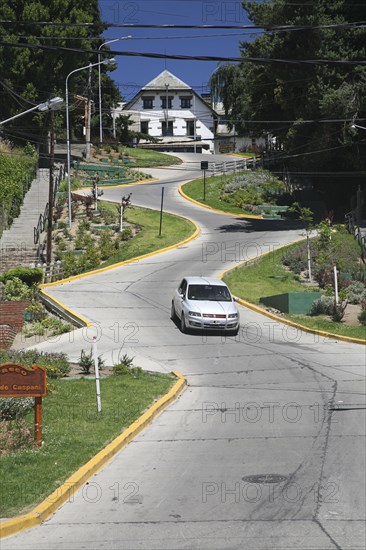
171, 111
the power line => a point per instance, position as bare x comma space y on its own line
268, 28
260, 60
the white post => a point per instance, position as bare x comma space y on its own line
309, 258
97, 381
121, 219
336, 284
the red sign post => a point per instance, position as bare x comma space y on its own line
19, 381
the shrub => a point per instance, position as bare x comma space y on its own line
56, 364
356, 292
322, 306
90, 259
15, 291
50, 325
106, 244
36, 310
86, 361
15, 407
296, 258
29, 276
16, 173
362, 317
126, 234
125, 366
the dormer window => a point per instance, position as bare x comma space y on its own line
148, 102
163, 102
185, 102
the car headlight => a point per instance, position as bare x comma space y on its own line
232, 315
194, 313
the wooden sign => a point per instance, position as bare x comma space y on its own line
19, 381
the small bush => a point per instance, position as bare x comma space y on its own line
29, 276
125, 367
356, 292
16, 291
86, 361
322, 306
126, 234
15, 407
296, 258
362, 317
106, 244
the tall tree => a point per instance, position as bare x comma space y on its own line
34, 75
279, 97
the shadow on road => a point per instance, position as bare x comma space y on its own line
248, 226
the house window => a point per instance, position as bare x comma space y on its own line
167, 128
185, 102
190, 128
163, 102
144, 128
148, 102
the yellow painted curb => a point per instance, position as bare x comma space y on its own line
248, 216
41, 512
275, 317
84, 321
125, 262
132, 184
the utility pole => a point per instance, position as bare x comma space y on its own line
50, 190
88, 117
166, 109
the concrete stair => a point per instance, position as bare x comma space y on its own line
17, 243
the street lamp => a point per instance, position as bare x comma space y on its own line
105, 62
358, 126
48, 105
100, 84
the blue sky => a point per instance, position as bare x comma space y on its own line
132, 73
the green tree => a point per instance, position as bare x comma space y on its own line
284, 95
31, 75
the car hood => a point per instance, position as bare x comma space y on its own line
211, 307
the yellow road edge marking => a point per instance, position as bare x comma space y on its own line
275, 317
86, 323
150, 180
41, 512
245, 216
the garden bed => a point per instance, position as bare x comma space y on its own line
254, 193
269, 276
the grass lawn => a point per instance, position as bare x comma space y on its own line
73, 433
148, 158
256, 280
214, 186
174, 230
320, 322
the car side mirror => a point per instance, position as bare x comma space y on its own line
235, 298
181, 296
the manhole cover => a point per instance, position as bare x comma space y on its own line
265, 478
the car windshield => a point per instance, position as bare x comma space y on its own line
213, 293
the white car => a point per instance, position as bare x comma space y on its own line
204, 303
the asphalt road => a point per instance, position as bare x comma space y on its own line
265, 449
